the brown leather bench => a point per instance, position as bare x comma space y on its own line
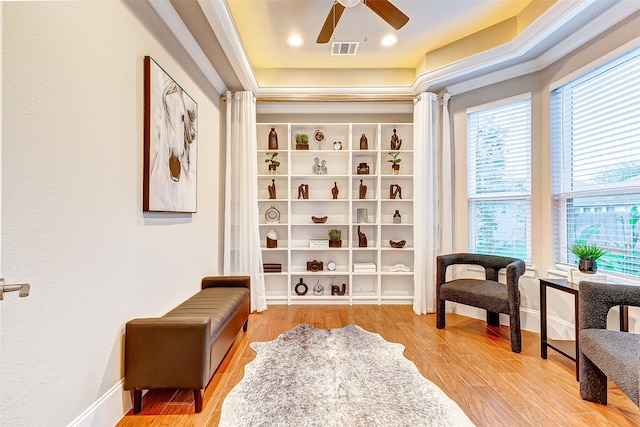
183, 349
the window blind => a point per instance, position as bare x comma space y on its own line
499, 178
595, 137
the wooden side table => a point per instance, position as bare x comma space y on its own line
568, 349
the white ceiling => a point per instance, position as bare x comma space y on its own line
264, 26
446, 43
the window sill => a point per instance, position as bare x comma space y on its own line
562, 270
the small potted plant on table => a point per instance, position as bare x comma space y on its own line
273, 163
587, 254
335, 237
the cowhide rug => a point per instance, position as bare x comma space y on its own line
339, 377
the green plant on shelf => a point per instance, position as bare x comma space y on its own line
335, 234
394, 160
302, 138
271, 160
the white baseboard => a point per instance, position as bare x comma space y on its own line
107, 410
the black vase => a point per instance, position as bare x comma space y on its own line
588, 266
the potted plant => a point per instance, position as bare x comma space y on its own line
302, 141
395, 162
588, 254
335, 236
273, 163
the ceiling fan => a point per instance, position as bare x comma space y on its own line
383, 8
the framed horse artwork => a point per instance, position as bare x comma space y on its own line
170, 143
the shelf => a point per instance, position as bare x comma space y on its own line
296, 228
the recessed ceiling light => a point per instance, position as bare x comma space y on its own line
389, 40
295, 40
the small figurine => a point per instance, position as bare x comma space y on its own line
303, 191
335, 289
318, 289
362, 239
335, 191
272, 189
323, 168
362, 193
315, 169
395, 191
395, 141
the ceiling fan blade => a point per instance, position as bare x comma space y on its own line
330, 23
391, 14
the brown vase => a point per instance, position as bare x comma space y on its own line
335, 243
364, 144
273, 139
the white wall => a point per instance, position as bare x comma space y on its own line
72, 222
560, 305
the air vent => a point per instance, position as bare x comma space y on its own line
344, 48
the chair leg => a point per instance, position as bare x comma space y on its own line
245, 326
136, 397
440, 320
516, 334
493, 319
197, 399
593, 382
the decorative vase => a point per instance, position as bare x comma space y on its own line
396, 142
273, 139
397, 219
362, 239
588, 266
364, 144
363, 169
395, 169
273, 170
335, 243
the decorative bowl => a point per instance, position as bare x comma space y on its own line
398, 244
319, 220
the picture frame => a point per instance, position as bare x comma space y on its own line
170, 143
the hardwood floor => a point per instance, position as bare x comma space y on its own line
470, 361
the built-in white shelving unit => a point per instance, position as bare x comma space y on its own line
341, 153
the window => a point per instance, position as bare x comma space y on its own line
595, 138
499, 178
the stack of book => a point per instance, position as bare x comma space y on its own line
318, 243
364, 267
272, 268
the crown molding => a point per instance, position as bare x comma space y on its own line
174, 23
219, 17
476, 70
342, 107
593, 28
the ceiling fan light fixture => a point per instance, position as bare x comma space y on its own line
389, 40
348, 3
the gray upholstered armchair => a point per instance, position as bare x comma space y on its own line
603, 353
485, 293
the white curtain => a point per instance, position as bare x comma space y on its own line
242, 254
433, 213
